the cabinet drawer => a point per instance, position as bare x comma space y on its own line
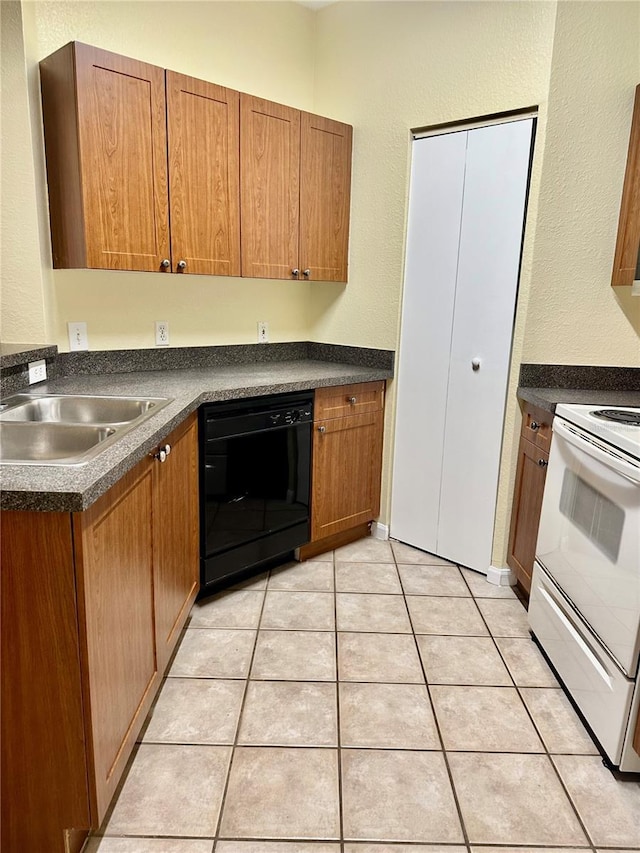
536, 427
343, 400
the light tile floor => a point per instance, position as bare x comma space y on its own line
376, 699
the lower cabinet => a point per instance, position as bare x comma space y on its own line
347, 463
531, 473
92, 606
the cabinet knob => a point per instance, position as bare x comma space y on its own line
182, 265
322, 429
534, 425
352, 400
542, 463
306, 273
295, 272
475, 364
162, 453
166, 263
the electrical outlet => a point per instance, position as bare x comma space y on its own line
78, 336
263, 332
37, 371
162, 333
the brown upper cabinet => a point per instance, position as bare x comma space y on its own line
106, 146
111, 174
203, 125
626, 262
144, 171
295, 192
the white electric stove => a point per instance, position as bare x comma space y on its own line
585, 596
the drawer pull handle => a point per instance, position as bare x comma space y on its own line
322, 429
353, 400
542, 463
534, 425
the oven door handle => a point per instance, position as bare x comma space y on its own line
590, 445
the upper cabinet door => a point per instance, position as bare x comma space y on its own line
626, 262
123, 162
105, 138
203, 125
269, 188
325, 194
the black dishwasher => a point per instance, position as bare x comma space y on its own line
255, 471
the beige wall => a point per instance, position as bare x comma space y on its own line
574, 315
386, 68
23, 310
261, 47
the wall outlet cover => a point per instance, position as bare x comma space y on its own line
162, 333
263, 332
37, 371
78, 340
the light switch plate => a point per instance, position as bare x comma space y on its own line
78, 340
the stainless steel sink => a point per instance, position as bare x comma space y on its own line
77, 409
67, 429
49, 444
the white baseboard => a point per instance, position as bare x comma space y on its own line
379, 531
501, 577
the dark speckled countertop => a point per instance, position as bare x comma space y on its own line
74, 488
546, 385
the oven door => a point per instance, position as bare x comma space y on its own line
589, 537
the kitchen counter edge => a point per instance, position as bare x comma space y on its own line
61, 488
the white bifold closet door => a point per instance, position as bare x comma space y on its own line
466, 215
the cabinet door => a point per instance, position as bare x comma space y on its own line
525, 515
325, 195
176, 544
347, 464
269, 188
44, 769
626, 261
123, 160
204, 175
114, 560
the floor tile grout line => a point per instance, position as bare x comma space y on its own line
436, 723
338, 731
239, 722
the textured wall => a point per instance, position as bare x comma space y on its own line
261, 47
391, 66
23, 314
574, 316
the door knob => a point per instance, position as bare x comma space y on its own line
534, 425
475, 364
542, 463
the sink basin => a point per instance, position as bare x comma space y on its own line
51, 444
67, 429
77, 409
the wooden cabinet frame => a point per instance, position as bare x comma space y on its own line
626, 259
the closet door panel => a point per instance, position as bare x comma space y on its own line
435, 209
495, 190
